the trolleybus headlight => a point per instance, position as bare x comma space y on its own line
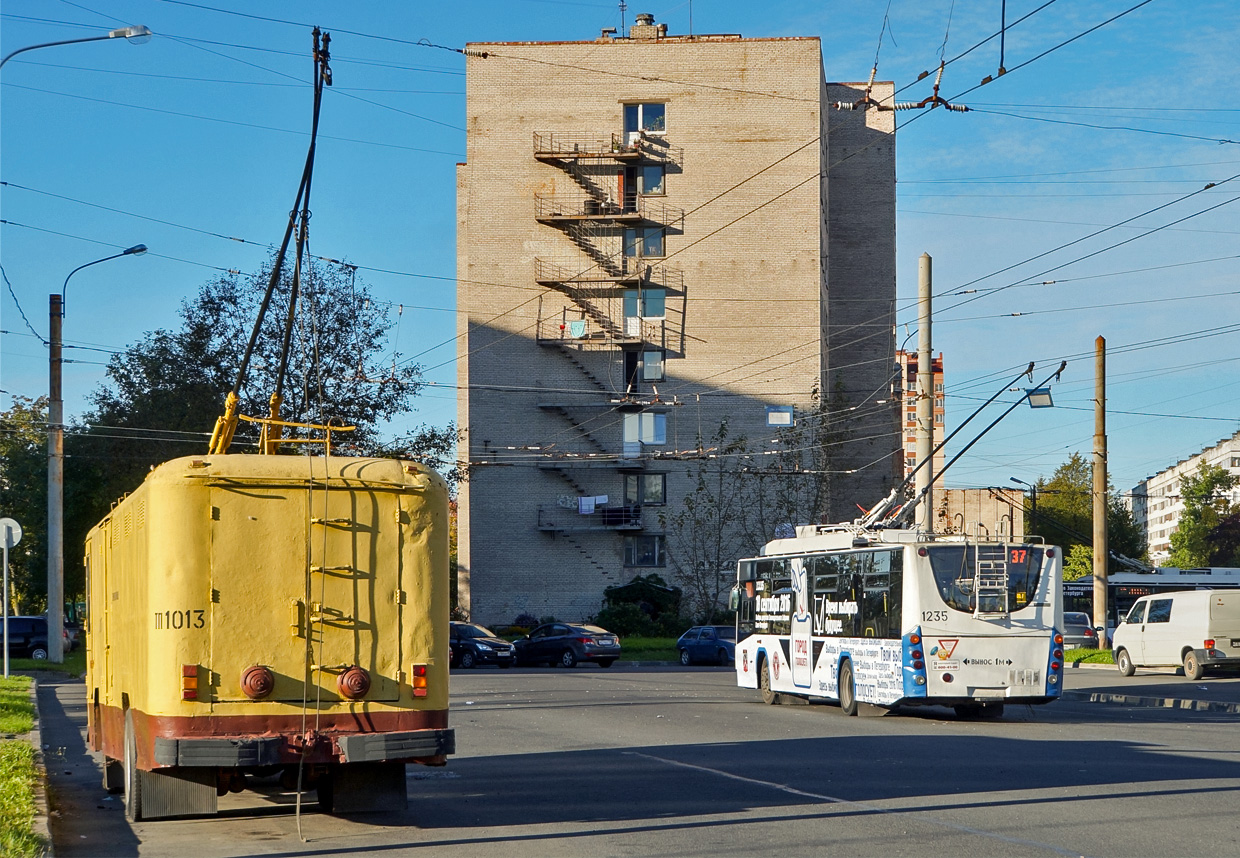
257, 681
353, 683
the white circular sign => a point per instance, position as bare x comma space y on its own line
11, 530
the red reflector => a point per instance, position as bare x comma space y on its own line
1050, 552
921, 552
919, 665
1209, 643
189, 694
1058, 653
917, 655
947, 677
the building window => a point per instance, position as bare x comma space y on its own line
643, 429
647, 118
645, 489
643, 241
652, 365
644, 550
1235, 461
645, 303
938, 418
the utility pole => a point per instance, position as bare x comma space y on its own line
55, 488
925, 399
1100, 490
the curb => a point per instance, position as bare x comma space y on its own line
1152, 702
40, 825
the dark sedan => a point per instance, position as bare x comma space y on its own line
567, 644
1077, 630
472, 645
710, 644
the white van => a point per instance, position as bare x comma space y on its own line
1199, 629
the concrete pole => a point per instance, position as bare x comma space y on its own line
55, 491
925, 397
1100, 490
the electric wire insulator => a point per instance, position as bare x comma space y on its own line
959, 108
476, 54
906, 105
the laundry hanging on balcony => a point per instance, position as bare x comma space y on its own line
577, 328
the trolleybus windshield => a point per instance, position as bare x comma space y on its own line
957, 568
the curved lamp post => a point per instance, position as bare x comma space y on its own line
56, 468
1033, 503
137, 34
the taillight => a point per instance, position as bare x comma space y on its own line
1057, 653
585, 640
1209, 643
918, 665
419, 680
1089, 633
1054, 665
189, 682
917, 656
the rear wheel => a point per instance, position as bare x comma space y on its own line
722, 655
848, 689
684, 657
568, 658
1123, 661
764, 684
1192, 666
133, 783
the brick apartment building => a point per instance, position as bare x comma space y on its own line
907, 362
657, 233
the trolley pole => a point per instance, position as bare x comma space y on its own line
925, 398
1100, 490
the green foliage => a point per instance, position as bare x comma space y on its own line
1079, 563
1224, 539
649, 593
1204, 511
23, 497
16, 708
626, 619
17, 783
1065, 515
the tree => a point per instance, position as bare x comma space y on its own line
1079, 563
23, 497
1065, 515
162, 395
1224, 539
1204, 510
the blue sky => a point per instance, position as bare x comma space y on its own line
196, 139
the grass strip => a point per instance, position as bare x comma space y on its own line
17, 784
1089, 655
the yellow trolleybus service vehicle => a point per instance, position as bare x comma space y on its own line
262, 615
899, 618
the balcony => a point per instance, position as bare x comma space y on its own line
562, 519
565, 146
557, 209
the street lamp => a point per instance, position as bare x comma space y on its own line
56, 467
1033, 503
136, 34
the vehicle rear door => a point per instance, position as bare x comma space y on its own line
1159, 643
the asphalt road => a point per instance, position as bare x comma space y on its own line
669, 761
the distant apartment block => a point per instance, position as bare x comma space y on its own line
1156, 503
997, 511
907, 363
658, 234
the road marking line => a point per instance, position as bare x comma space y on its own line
1017, 841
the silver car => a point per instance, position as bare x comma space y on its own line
1078, 631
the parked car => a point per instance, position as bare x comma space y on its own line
713, 644
1077, 630
1196, 629
28, 637
74, 631
471, 645
566, 644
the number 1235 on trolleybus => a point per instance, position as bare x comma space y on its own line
891, 618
